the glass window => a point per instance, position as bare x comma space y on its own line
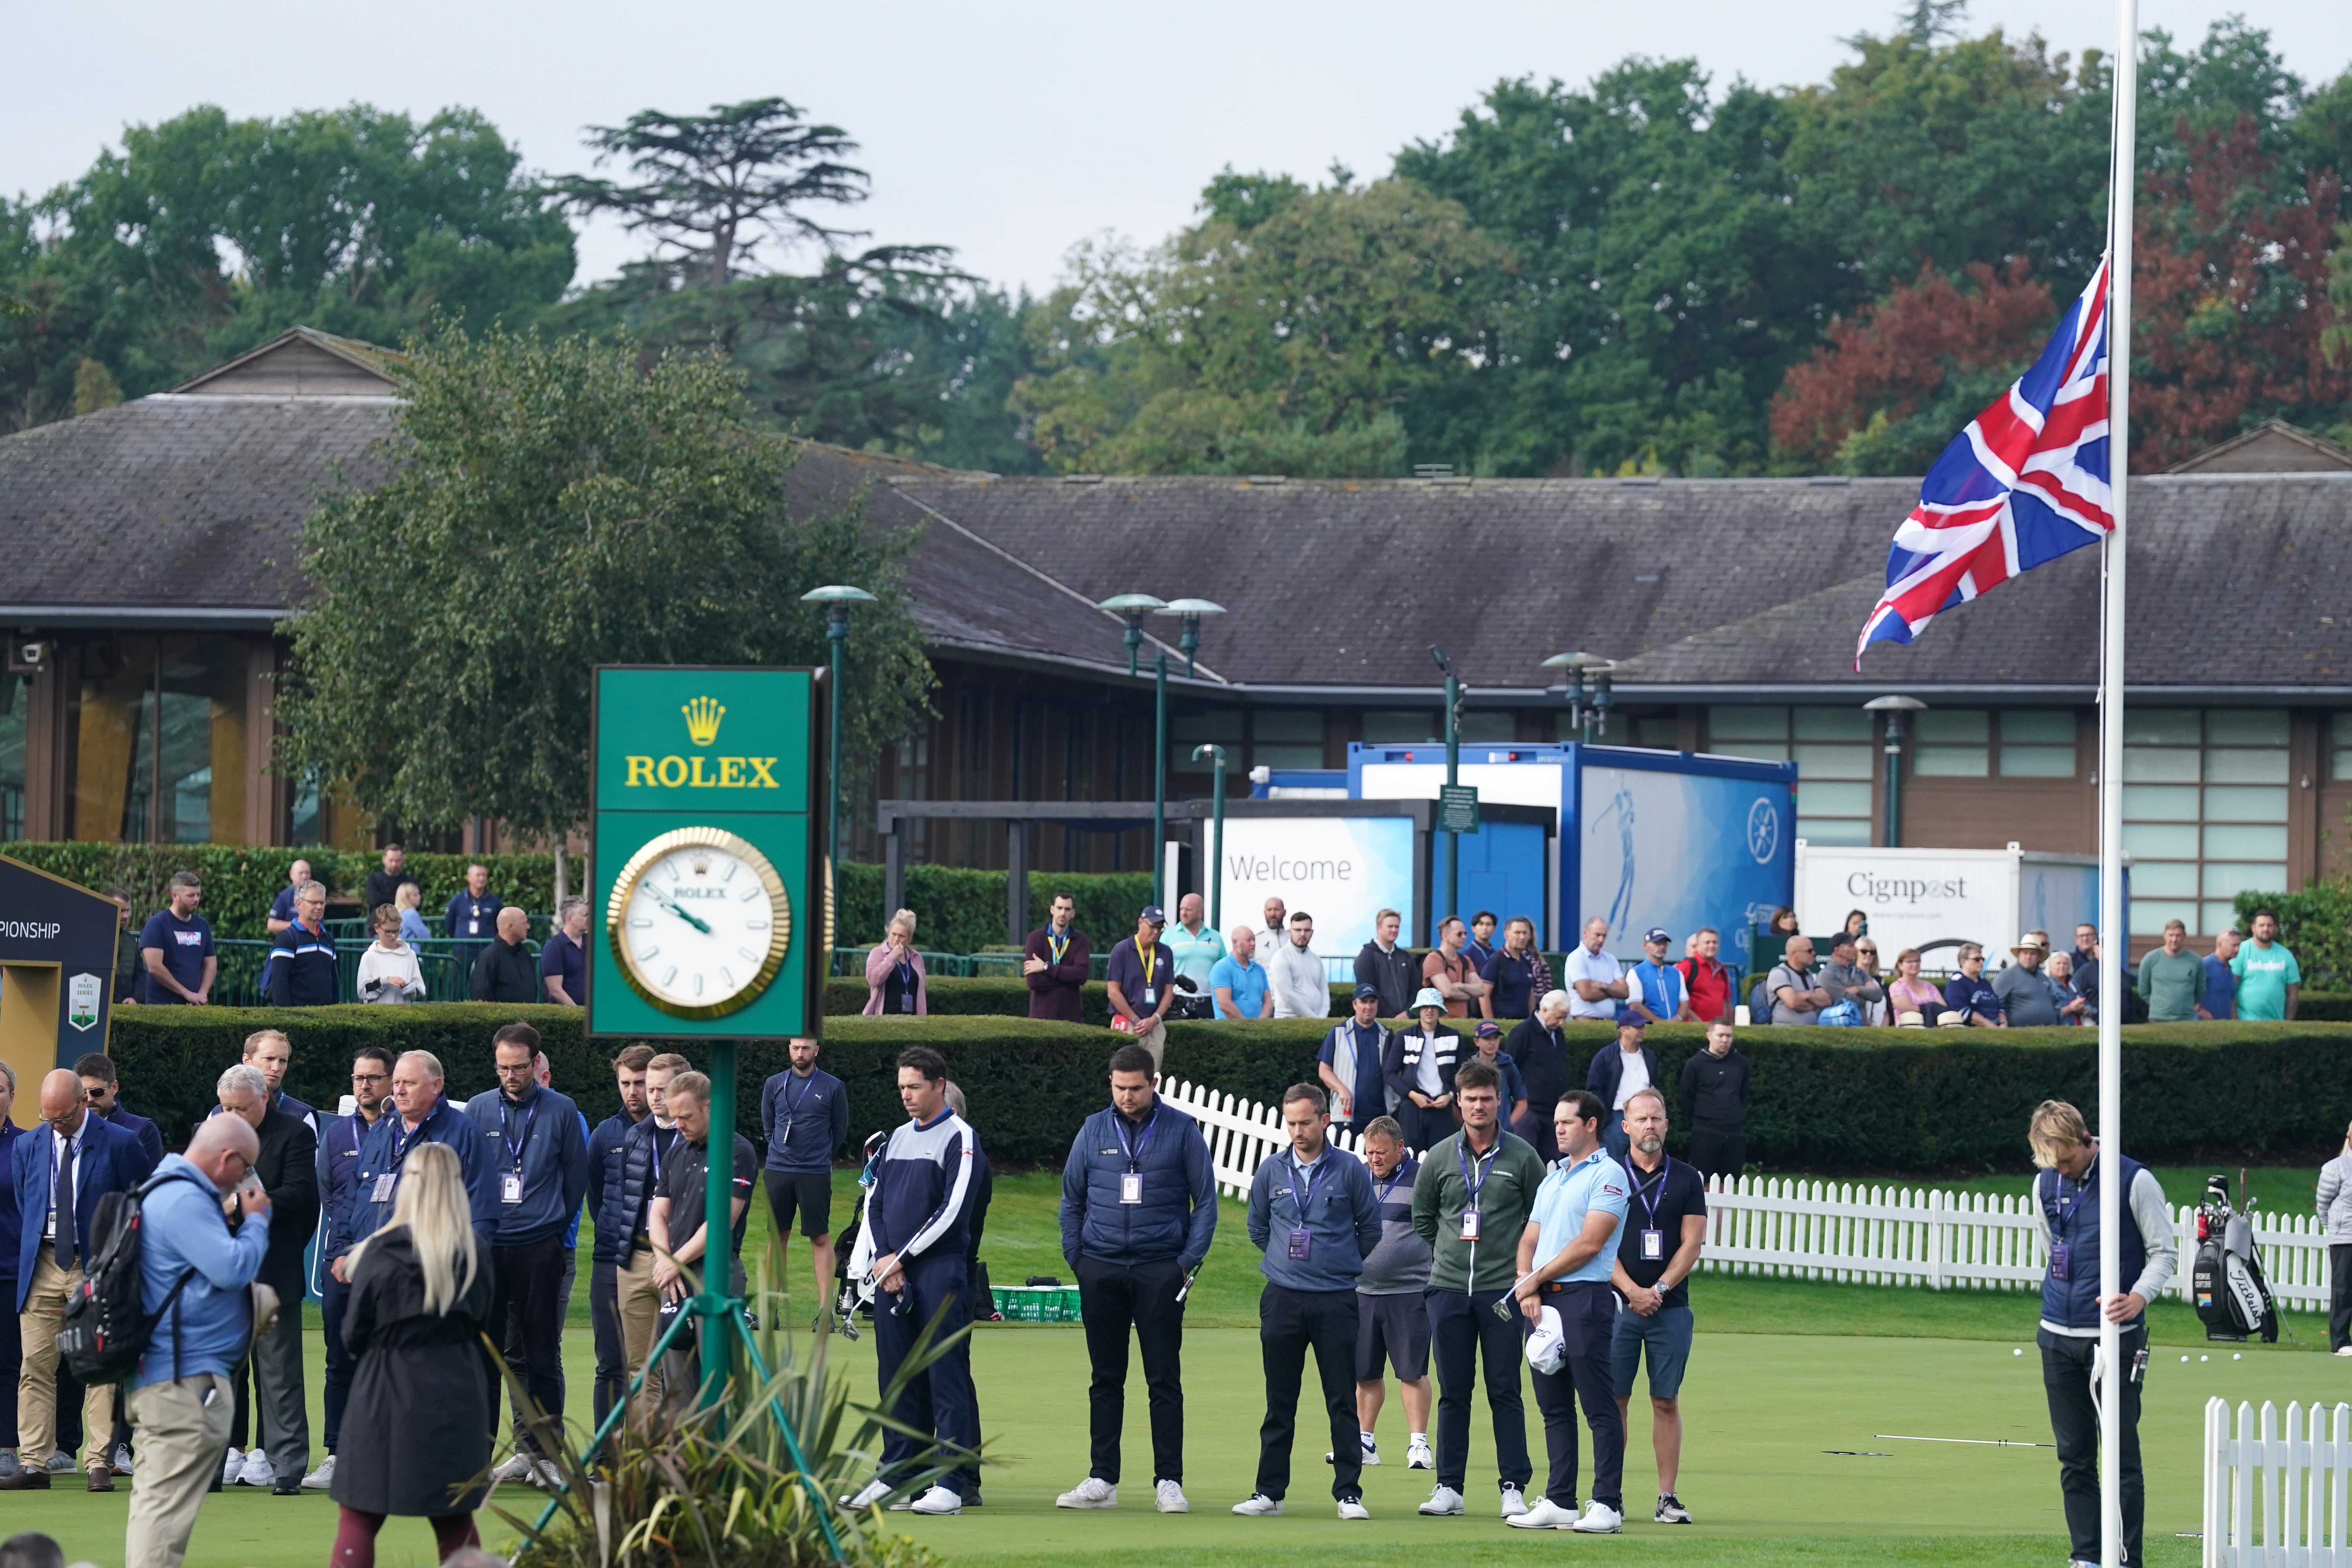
1216, 726
111, 732
2244, 804
1658, 734
2245, 726
1950, 762
2218, 916
2241, 766
2164, 879
1277, 754
2161, 727
2037, 727
1953, 724
16, 697
1281, 724
2149, 915
1951, 744
2340, 766
1746, 724
1815, 760
1840, 831
2205, 804
2152, 840
1831, 725
2145, 764
1396, 727
158, 740
1485, 727
2037, 762
2246, 844
2228, 878
2159, 803
1825, 798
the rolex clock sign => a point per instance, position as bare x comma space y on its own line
709, 917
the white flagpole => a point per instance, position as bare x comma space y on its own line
2113, 925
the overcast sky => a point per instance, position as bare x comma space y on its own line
1009, 131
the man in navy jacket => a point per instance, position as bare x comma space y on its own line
339, 1144
98, 1080
804, 1113
419, 1115
618, 1190
300, 971
86, 1158
1139, 1208
538, 1152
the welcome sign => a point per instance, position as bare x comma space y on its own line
1342, 871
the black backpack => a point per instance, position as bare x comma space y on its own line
106, 1327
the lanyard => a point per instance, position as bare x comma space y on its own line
1654, 1189
514, 1150
2063, 1226
1057, 945
654, 1144
1302, 1182
907, 976
1144, 955
1394, 1177
1485, 1161
400, 1150
1142, 1140
791, 1106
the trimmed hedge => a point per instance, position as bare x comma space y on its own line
997, 996
241, 882
962, 910
1824, 1099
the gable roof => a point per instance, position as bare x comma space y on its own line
2274, 447
301, 362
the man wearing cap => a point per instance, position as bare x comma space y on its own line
1847, 981
1238, 983
1654, 992
2024, 994
1301, 989
1142, 974
1350, 1064
1417, 1063
1615, 1076
1488, 1037
1596, 981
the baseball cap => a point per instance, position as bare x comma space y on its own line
1371, 990
1154, 915
1489, 1027
1657, 934
1630, 1020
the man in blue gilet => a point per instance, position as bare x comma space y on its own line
2066, 1217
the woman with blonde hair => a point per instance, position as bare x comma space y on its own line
417, 1431
1907, 993
413, 928
894, 981
2336, 1216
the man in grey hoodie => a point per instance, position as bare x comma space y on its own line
2336, 1216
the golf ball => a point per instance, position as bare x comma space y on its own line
2204, 1357
2235, 1356
2184, 1358
2017, 1353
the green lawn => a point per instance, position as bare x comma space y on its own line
1783, 1374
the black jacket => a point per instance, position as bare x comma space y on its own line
1543, 1064
382, 887
150, 1136
1395, 973
620, 1183
302, 971
288, 1168
420, 1415
505, 973
1714, 1091
1401, 1063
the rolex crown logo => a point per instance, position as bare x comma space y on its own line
702, 716
701, 864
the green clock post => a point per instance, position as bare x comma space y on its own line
710, 905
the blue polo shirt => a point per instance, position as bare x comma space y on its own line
1248, 981
2220, 996
1568, 1194
185, 944
562, 959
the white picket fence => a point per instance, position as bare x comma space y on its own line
1798, 1230
2290, 1479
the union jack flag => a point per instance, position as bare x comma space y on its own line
2025, 483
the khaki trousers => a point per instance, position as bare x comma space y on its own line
182, 1427
37, 1386
640, 1306
1153, 1039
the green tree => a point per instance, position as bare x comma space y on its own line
551, 506
1282, 333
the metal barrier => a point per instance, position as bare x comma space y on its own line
448, 974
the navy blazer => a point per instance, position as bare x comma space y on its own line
9, 1133
1607, 1070
150, 1136
111, 1162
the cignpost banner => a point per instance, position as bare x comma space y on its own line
1343, 870
1680, 851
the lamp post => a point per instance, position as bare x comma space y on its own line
1216, 755
1895, 708
837, 598
1588, 710
1453, 779
1131, 609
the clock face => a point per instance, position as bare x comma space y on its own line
699, 922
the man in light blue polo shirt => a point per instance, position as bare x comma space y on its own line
2270, 982
1567, 1256
1197, 947
1239, 981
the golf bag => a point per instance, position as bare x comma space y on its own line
2234, 1298
853, 1296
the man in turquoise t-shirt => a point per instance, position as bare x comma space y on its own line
2269, 980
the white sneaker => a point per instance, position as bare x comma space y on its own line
257, 1471
939, 1500
323, 1478
516, 1468
231, 1463
1545, 1515
1354, 1508
1417, 1456
1092, 1492
1369, 1454
1169, 1498
546, 1476
874, 1491
1514, 1504
2346, 1350
1257, 1505
1671, 1510
122, 1458
1599, 1519
1443, 1499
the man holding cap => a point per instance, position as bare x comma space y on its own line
1142, 975
1350, 1064
1657, 993
1615, 1077
1568, 1254
2024, 994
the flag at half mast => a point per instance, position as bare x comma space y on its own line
2025, 483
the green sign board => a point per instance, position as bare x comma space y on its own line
1457, 808
710, 916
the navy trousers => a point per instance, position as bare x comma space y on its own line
940, 1398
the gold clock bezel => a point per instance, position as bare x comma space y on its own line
780, 925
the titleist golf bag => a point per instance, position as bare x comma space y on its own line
2234, 1298
852, 1297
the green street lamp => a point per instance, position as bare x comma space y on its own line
1131, 609
1452, 778
1588, 710
837, 598
1216, 755
1895, 708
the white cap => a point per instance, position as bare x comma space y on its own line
1547, 1346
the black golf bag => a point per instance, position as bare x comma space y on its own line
849, 1301
2234, 1298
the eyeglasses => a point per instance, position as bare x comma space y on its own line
370, 1077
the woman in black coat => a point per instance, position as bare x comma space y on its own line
418, 1430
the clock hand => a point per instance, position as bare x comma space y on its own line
694, 920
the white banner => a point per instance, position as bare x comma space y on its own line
1340, 869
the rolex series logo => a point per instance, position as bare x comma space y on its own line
698, 772
702, 716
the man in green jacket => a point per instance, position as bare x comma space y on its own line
2170, 978
1470, 1203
